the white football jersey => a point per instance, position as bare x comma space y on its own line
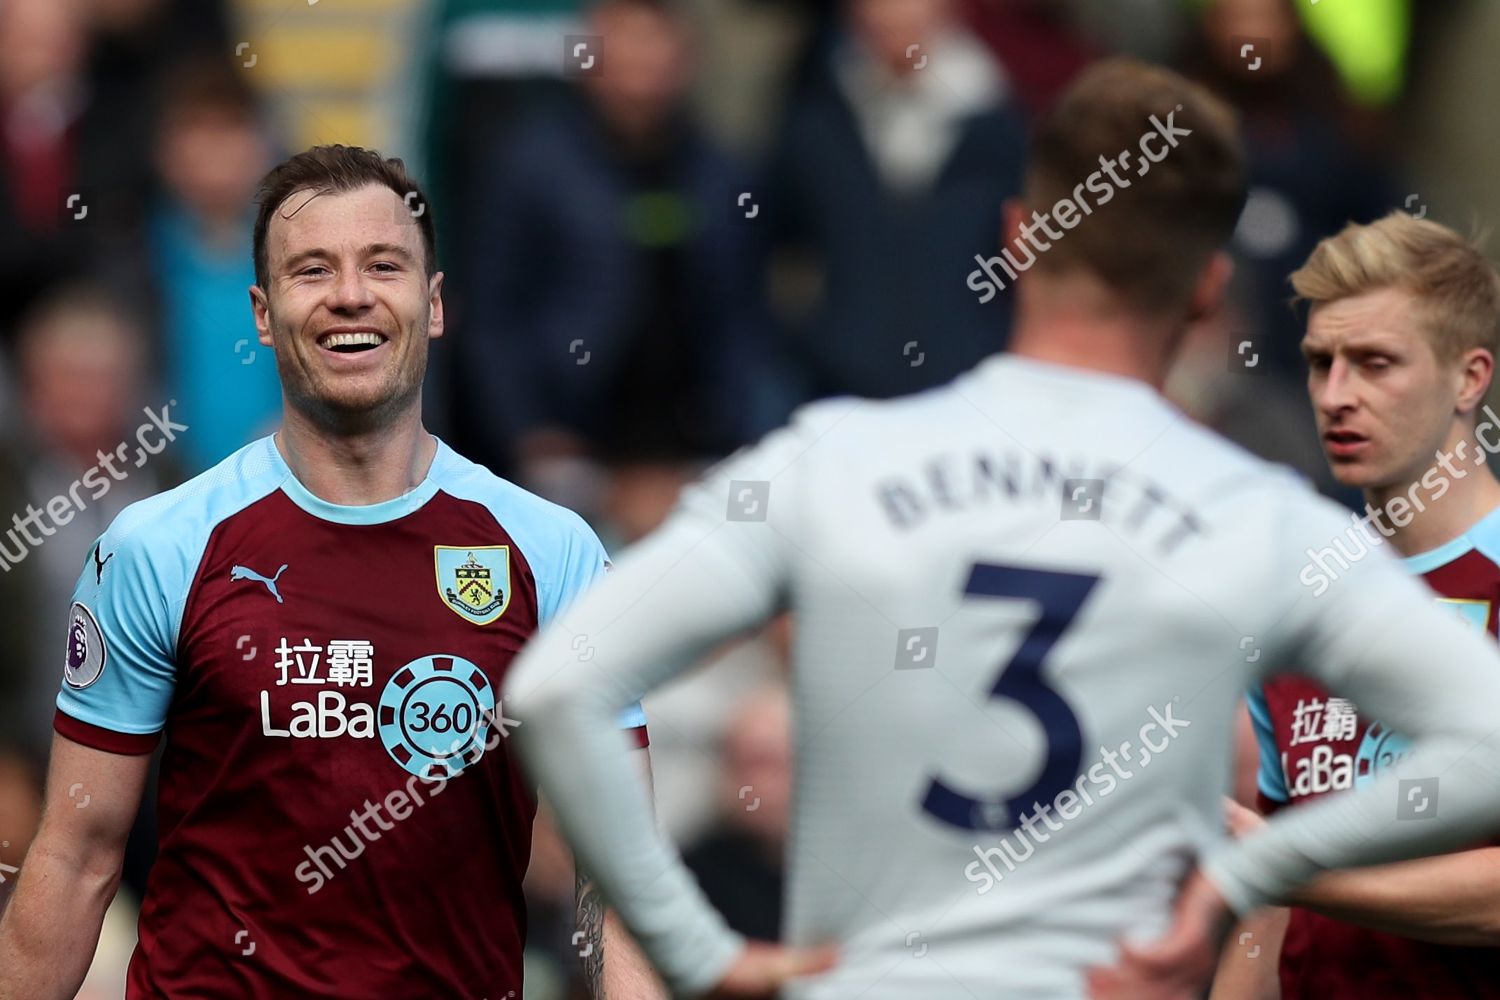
1026, 607
1029, 585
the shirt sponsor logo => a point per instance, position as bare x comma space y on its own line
342, 663
435, 714
1323, 770
1314, 721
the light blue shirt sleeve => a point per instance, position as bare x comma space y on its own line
1269, 777
119, 665
587, 562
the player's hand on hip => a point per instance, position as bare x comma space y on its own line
762, 969
1241, 821
1176, 966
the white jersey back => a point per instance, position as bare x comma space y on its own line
1027, 605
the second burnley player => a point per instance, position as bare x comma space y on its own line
1401, 343
318, 625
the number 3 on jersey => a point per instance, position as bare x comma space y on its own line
1060, 595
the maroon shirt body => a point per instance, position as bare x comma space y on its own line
1314, 743
340, 814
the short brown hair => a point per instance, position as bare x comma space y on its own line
1150, 244
1457, 289
332, 170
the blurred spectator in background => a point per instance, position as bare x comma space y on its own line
887, 181
81, 364
81, 368
1263, 411
1315, 164
20, 813
689, 719
75, 149
134, 41
740, 863
714, 730
49, 150
212, 147
488, 62
1037, 41
609, 310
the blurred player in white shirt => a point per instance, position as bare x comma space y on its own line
1027, 606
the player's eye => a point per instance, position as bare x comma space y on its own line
312, 271
1377, 363
384, 266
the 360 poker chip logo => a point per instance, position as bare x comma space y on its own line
86, 653
435, 714
1378, 752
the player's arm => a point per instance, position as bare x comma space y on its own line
119, 675
1452, 899
71, 872
612, 962
696, 582
1250, 962
1377, 636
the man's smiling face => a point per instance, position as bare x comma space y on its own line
348, 305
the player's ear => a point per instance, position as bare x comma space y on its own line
1475, 375
260, 308
1211, 288
1012, 215
435, 306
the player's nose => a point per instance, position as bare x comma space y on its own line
1334, 392
350, 293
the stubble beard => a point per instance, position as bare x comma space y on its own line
336, 416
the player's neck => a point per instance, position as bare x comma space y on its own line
1467, 501
1079, 325
356, 470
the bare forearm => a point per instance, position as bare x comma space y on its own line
627, 973
613, 966
51, 928
589, 936
1250, 962
1453, 899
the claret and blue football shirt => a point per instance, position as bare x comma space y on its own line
1314, 743
340, 811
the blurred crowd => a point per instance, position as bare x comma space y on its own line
665, 223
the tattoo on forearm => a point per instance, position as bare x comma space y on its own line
590, 935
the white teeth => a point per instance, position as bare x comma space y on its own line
352, 339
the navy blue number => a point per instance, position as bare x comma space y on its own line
1060, 596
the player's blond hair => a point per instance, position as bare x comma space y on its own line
1456, 287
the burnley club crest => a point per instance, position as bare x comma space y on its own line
474, 581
